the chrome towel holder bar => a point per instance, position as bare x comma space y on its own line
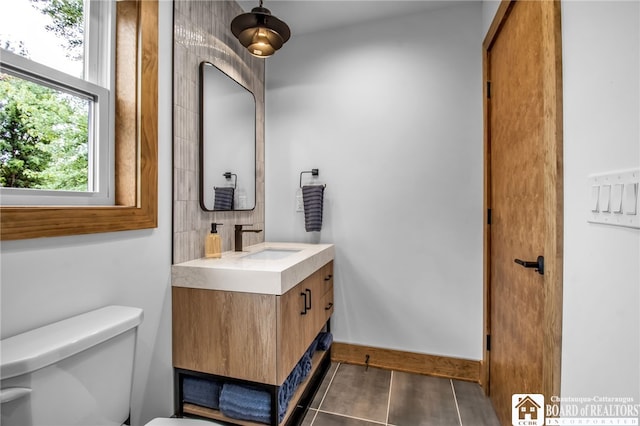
228, 175
314, 172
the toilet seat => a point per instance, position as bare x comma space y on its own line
180, 422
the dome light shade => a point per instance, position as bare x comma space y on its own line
260, 32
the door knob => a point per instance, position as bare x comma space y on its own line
538, 264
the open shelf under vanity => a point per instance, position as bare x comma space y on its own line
296, 410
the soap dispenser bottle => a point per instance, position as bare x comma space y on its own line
213, 243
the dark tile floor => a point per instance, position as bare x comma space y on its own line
351, 395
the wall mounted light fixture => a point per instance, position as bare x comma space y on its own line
260, 32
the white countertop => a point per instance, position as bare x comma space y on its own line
235, 272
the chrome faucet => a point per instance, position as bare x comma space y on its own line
238, 234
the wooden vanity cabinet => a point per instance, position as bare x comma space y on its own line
248, 336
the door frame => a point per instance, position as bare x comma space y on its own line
551, 147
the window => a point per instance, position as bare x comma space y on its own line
135, 135
56, 142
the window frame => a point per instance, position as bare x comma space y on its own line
136, 143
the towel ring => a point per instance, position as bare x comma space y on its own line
228, 175
314, 172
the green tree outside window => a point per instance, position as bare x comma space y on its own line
43, 131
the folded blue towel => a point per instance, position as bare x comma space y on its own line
284, 396
245, 403
253, 404
288, 388
201, 392
306, 365
296, 377
223, 198
312, 198
324, 341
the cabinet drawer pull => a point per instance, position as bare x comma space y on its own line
328, 307
304, 294
328, 277
307, 298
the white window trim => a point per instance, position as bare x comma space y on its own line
99, 70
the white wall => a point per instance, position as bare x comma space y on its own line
489, 8
391, 114
45, 280
601, 320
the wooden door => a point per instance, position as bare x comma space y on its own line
523, 190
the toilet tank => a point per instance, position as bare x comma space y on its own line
77, 371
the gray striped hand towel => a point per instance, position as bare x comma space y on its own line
223, 198
312, 198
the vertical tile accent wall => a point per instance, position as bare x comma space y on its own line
202, 32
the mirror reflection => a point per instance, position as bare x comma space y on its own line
227, 142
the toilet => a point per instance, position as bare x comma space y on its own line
76, 371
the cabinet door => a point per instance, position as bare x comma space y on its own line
294, 317
327, 298
322, 295
302, 313
225, 333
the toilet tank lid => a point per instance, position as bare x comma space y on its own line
38, 348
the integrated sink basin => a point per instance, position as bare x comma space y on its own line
265, 268
270, 254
